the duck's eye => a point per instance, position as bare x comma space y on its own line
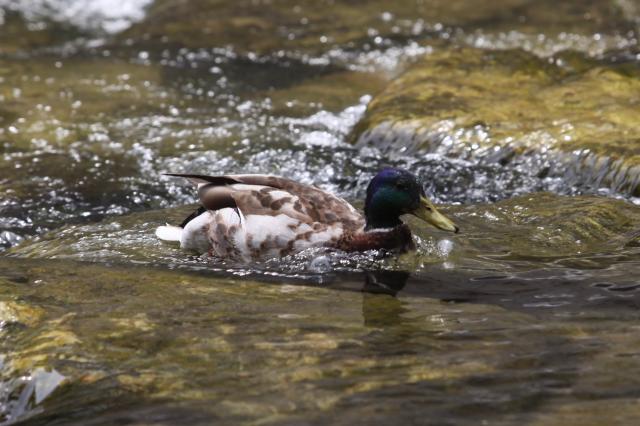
403, 186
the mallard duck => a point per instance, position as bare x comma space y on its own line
259, 216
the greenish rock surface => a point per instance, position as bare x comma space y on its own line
470, 102
511, 234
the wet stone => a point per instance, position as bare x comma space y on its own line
476, 104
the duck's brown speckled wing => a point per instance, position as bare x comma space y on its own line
320, 206
273, 195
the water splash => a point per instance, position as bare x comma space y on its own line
103, 15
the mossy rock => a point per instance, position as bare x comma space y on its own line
476, 103
536, 225
544, 225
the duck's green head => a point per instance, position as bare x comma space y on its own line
394, 192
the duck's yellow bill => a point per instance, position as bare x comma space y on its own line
428, 212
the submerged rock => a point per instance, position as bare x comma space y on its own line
546, 225
510, 234
496, 105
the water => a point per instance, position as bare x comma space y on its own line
528, 315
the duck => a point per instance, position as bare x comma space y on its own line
250, 217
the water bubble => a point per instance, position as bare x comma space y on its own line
445, 247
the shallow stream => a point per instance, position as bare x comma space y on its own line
528, 315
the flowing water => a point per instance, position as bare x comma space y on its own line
529, 315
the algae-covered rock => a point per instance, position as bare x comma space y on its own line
542, 225
477, 103
533, 226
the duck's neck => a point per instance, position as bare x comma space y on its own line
382, 222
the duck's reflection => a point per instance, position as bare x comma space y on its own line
384, 281
379, 311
